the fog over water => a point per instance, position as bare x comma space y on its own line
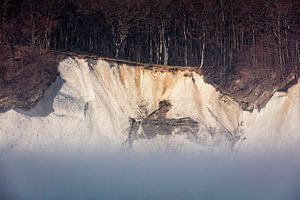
131, 175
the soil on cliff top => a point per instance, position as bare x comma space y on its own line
251, 87
25, 73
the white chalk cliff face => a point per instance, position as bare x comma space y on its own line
89, 106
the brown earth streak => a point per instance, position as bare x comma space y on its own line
25, 73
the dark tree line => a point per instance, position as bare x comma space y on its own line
222, 33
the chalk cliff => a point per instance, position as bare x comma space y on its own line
106, 105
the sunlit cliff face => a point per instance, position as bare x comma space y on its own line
91, 102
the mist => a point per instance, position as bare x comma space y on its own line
150, 176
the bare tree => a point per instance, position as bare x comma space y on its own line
121, 15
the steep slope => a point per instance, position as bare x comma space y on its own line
25, 73
277, 125
90, 105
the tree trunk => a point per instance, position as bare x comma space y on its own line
253, 48
286, 44
185, 45
297, 55
150, 49
165, 41
203, 50
117, 51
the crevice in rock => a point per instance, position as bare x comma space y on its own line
157, 123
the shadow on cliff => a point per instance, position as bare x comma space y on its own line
45, 105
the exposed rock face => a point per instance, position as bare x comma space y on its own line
27, 72
157, 123
152, 128
102, 104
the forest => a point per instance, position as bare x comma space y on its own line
203, 33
